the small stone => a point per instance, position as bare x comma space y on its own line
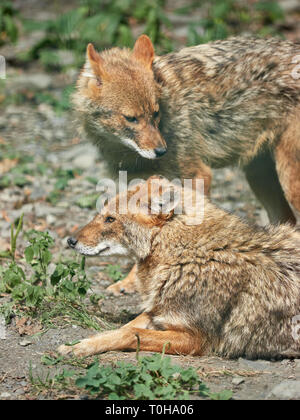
2, 328
255, 365
42, 210
85, 161
38, 81
66, 58
5, 395
286, 390
237, 381
19, 391
50, 219
25, 343
37, 193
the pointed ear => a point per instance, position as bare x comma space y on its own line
165, 204
143, 51
94, 63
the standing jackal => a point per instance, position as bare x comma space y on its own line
232, 102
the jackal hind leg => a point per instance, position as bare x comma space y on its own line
262, 176
287, 154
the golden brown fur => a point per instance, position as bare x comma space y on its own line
224, 103
218, 287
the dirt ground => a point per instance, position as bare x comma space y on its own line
53, 143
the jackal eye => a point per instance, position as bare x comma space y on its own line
109, 219
130, 119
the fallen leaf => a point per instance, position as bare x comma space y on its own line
61, 231
5, 216
74, 228
7, 164
4, 244
26, 326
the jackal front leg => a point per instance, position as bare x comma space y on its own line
127, 285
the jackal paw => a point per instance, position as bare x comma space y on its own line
79, 350
88, 346
121, 288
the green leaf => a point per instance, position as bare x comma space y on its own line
72, 343
222, 396
46, 257
29, 254
88, 201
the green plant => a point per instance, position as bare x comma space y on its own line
60, 103
230, 17
104, 23
152, 377
68, 280
269, 10
38, 255
49, 382
16, 177
87, 201
63, 282
63, 176
13, 240
8, 26
114, 271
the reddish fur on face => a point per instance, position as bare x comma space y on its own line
97, 228
100, 85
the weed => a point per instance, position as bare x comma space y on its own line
105, 23
229, 17
19, 171
59, 103
48, 296
50, 382
8, 22
114, 272
63, 176
153, 377
88, 201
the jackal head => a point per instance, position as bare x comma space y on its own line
115, 232
118, 97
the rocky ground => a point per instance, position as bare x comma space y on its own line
48, 142
39, 144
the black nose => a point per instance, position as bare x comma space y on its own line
160, 151
72, 242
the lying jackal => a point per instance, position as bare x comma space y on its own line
217, 287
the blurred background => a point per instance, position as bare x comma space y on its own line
52, 35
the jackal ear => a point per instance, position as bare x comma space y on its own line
94, 63
165, 204
143, 51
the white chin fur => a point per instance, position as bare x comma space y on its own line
148, 154
103, 248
